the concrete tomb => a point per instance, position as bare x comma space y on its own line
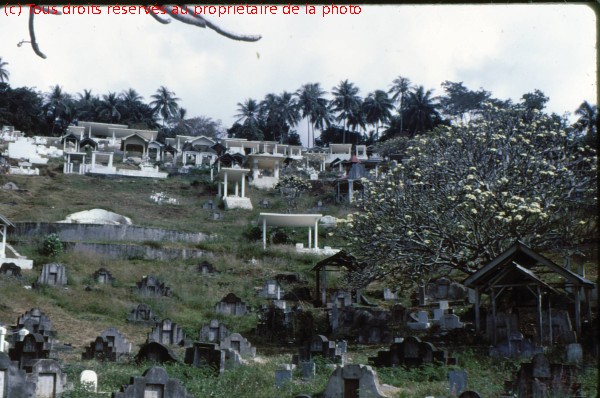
206, 354
457, 381
89, 381
445, 289
358, 381
13, 380
167, 332
142, 314
4, 344
237, 342
111, 345
50, 382
53, 274
283, 376
411, 352
321, 346
155, 352
470, 394
11, 270
103, 276
206, 268
35, 321
154, 383
515, 346
308, 370
214, 332
32, 348
151, 286
271, 289
231, 305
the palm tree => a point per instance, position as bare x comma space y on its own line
57, 106
3, 71
279, 111
131, 106
108, 108
164, 104
356, 118
312, 105
588, 119
400, 87
421, 112
378, 109
345, 101
86, 105
249, 112
288, 110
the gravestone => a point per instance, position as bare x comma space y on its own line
48, 377
421, 321
151, 286
289, 278
206, 268
340, 299
52, 274
574, 353
458, 381
142, 314
358, 381
11, 270
308, 370
515, 346
155, 352
206, 354
388, 295
231, 305
32, 348
209, 205
13, 380
111, 345
276, 322
411, 352
366, 325
4, 344
271, 289
469, 394
237, 342
89, 381
35, 321
167, 332
103, 276
321, 346
213, 332
283, 376
154, 383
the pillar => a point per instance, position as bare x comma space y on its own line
493, 297
3, 248
225, 185
2, 334
350, 191
264, 231
220, 190
309, 237
276, 169
212, 177
317, 234
110, 159
243, 185
477, 316
254, 169
539, 316
237, 188
93, 160
577, 290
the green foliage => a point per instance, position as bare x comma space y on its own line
52, 246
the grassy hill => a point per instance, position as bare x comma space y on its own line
84, 309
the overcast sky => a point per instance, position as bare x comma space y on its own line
506, 49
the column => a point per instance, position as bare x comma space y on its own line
2, 334
350, 190
3, 248
477, 321
212, 177
309, 237
93, 160
264, 231
276, 169
317, 234
220, 191
254, 169
236, 188
539, 316
110, 159
225, 185
243, 185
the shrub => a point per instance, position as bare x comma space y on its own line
52, 246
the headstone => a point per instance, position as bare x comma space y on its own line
213, 332
35, 321
32, 348
151, 286
142, 314
52, 274
388, 295
341, 299
308, 370
13, 380
574, 353
458, 381
231, 305
103, 276
155, 352
206, 354
210, 205
47, 375
411, 352
167, 332
89, 381
354, 381
154, 383
3, 343
541, 366
271, 289
321, 346
470, 394
111, 345
10, 270
237, 342
206, 268
282, 376
450, 322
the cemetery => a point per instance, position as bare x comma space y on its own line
251, 268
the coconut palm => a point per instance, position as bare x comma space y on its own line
312, 106
109, 108
280, 111
588, 119
400, 87
3, 71
58, 107
164, 104
378, 109
345, 101
86, 105
421, 112
249, 112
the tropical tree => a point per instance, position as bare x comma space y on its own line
420, 114
464, 193
164, 104
280, 113
3, 71
399, 89
460, 102
58, 106
86, 105
22, 108
313, 107
109, 108
588, 121
378, 109
345, 102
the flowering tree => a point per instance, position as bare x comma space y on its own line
291, 187
464, 193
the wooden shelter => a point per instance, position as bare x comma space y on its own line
519, 274
339, 261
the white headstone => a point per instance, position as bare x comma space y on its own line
3, 332
89, 380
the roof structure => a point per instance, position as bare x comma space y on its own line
289, 220
339, 259
5, 221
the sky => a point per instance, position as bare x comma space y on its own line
506, 49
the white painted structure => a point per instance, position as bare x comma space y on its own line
238, 177
292, 220
21, 261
